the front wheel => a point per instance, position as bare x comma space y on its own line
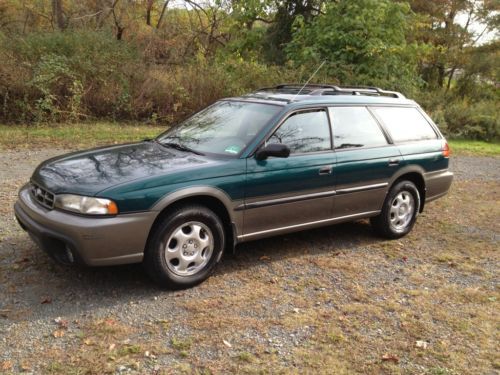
185, 247
399, 212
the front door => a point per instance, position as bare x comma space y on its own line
283, 193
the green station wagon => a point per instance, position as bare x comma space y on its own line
282, 159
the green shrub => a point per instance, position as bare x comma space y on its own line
75, 75
479, 120
83, 74
66, 76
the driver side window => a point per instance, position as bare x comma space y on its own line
304, 132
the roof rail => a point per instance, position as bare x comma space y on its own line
256, 96
320, 89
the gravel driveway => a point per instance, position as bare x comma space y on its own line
335, 298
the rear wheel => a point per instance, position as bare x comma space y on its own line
185, 247
399, 212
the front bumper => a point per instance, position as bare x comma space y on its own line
94, 241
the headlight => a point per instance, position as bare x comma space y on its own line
86, 205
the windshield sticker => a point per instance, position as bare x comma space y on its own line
232, 149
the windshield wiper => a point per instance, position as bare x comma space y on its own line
180, 147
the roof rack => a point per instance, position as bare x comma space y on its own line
320, 89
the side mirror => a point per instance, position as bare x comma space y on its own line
277, 150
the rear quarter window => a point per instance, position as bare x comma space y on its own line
405, 124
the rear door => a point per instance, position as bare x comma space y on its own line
365, 161
418, 140
290, 192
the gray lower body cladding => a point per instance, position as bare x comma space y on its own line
91, 241
437, 184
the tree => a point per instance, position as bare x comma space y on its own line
279, 33
363, 42
446, 27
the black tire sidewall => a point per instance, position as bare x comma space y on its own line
155, 261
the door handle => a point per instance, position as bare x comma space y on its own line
325, 170
393, 162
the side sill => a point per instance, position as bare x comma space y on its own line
304, 226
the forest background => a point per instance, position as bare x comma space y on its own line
157, 61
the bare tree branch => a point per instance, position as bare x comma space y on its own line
158, 24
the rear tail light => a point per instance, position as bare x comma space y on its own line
446, 149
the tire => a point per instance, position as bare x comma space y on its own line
399, 212
185, 247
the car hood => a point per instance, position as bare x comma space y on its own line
89, 172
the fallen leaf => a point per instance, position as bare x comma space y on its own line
58, 333
111, 347
25, 367
264, 257
227, 343
6, 365
61, 322
421, 344
87, 342
390, 358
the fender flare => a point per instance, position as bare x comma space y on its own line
235, 217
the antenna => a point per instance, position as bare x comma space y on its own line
312, 75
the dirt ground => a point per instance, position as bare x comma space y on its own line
333, 300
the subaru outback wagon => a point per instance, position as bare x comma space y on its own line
282, 159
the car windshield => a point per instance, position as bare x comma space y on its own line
224, 128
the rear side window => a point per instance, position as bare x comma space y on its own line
355, 127
405, 124
304, 132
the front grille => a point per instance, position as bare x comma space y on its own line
42, 196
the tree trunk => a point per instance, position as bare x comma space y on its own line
450, 77
149, 9
119, 32
441, 73
58, 14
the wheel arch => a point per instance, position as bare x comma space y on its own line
213, 198
414, 174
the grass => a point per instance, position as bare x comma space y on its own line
479, 148
77, 135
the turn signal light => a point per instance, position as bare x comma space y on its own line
446, 150
112, 208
